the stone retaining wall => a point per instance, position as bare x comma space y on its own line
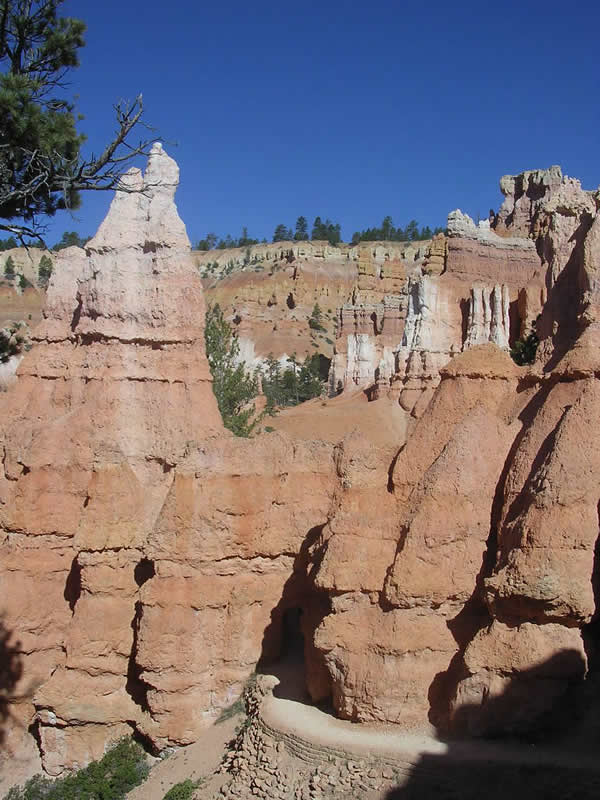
268, 763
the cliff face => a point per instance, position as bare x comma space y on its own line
464, 292
482, 558
269, 292
124, 500
149, 557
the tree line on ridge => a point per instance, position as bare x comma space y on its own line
323, 230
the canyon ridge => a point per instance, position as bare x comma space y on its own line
429, 529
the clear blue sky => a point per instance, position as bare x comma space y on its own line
351, 111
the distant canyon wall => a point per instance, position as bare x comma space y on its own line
472, 287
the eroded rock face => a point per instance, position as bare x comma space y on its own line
481, 559
105, 405
228, 552
269, 291
540, 592
464, 292
149, 557
125, 529
421, 535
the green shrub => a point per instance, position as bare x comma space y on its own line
12, 340
183, 790
296, 384
233, 386
524, 350
121, 769
9, 269
315, 320
44, 271
237, 707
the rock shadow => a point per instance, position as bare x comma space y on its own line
287, 650
11, 671
474, 615
564, 303
72, 591
545, 762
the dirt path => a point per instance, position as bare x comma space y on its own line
290, 713
420, 766
198, 760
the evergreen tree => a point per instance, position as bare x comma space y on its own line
9, 269
326, 231
292, 382
294, 385
41, 168
282, 234
224, 244
289, 387
388, 232
44, 271
309, 380
233, 385
411, 232
271, 383
208, 242
387, 229
317, 229
245, 240
301, 234
71, 239
334, 232
315, 321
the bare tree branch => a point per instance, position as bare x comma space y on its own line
52, 173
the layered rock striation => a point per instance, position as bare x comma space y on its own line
473, 286
475, 610
144, 549
268, 292
150, 559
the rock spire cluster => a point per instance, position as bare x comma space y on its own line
150, 559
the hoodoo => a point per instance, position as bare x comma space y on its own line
144, 548
444, 581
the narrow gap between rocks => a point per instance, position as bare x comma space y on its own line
135, 687
288, 651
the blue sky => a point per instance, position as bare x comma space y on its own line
348, 111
